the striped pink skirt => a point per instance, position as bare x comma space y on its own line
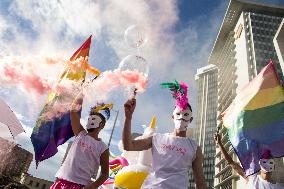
64, 184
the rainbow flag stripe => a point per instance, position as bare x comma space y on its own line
48, 135
255, 119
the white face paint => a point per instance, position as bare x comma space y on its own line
182, 118
267, 165
93, 121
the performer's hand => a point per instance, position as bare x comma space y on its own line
129, 107
77, 102
217, 138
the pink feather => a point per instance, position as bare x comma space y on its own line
266, 154
181, 99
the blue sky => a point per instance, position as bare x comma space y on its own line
181, 35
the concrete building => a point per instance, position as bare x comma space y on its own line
279, 44
279, 47
35, 183
243, 47
14, 160
206, 124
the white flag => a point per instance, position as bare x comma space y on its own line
9, 119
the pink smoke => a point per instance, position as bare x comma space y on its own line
18, 71
52, 61
111, 80
30, 81
94, 91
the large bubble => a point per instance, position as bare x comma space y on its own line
135, 63
135, 36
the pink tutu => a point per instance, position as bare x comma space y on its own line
64, 184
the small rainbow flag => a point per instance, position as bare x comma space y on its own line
48, 135
255, 119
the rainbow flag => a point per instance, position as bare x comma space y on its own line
48, 135
255, 119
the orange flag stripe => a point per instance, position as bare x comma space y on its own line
83, 51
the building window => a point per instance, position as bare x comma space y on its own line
239, 31
43, 186
37, 184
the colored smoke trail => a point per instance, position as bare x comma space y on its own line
29, 81
28, 73
110, 80
32, 76
94, 91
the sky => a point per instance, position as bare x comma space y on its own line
180, 35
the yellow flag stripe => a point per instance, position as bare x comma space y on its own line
266, 97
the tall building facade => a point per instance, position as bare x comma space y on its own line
243, 47
206, 79
14, 160
279, 47
279, 44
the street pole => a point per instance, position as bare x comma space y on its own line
113, 127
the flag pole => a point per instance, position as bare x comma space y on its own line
113, 127
11, 133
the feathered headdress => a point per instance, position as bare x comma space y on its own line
102, 108
179, 92
266, 154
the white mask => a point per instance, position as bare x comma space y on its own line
267, 165
182, 118
93, 121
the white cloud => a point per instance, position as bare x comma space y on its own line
3, 26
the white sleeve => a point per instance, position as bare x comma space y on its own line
104, 147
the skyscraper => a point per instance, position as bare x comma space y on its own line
14, 160
279, 47
206, 78
279, 44
243, 47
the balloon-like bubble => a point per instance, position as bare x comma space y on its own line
135, 36
134, 63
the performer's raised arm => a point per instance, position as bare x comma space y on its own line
74, 115
128, 143
228, 158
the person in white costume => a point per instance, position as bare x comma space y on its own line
87, 153
262, 180
140, 163
173, 154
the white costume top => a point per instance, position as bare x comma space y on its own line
83, 159
172, 158
256, 182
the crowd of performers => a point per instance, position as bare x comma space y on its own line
164, 159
